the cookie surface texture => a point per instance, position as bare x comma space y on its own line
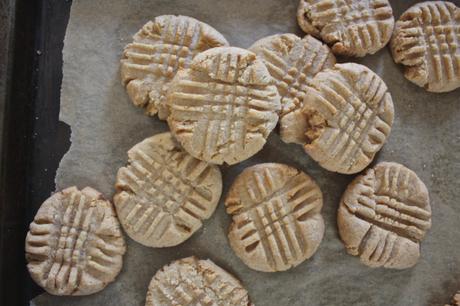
383, 216
349, 115
224, 106
190, 281
350, 27
276, 217
164, 194
75, 245
426, 41
293, 62
158, 51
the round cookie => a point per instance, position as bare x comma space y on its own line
293, 62
349, 115
276, 217
383, 216
190, 281
158, 51
74, 245
224, 106
350, 27
164, 194
426, 41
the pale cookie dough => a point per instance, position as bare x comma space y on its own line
224, 106
426, 41
383, 216
276, 217
349, 115
158, 51
350, 27
192, 282
164, 194
75, 245
293, 62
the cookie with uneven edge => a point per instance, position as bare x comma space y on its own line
191, 281
293, 62
349, 115
164, 194
224, 106
426, 41
75, 245
158, 51
276, 217
350, 27
383, 216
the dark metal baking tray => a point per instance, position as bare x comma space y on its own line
32, 138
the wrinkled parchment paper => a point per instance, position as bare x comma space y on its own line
425, 137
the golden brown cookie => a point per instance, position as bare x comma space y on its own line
293, 62
224, 106
74, 245
190, 281
383, 216
349, 115
276, 217
164, 194
158, 51
426, 41
350, 27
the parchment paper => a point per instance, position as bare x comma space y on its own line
425, 137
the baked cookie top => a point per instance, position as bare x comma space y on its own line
191, 281
158, 51
224, 106
164, 194
276, 217
383, 216
74, 245
293, 62
426, 41
350, 27
349, 115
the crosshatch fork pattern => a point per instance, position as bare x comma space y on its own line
159, 50
172, 45
268, 210
353, 27
388, 202
293, 62
357, 110
392, 202
68, 251
190, 281
225, 107
427, 37
165, 192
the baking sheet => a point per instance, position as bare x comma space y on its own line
104, 124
